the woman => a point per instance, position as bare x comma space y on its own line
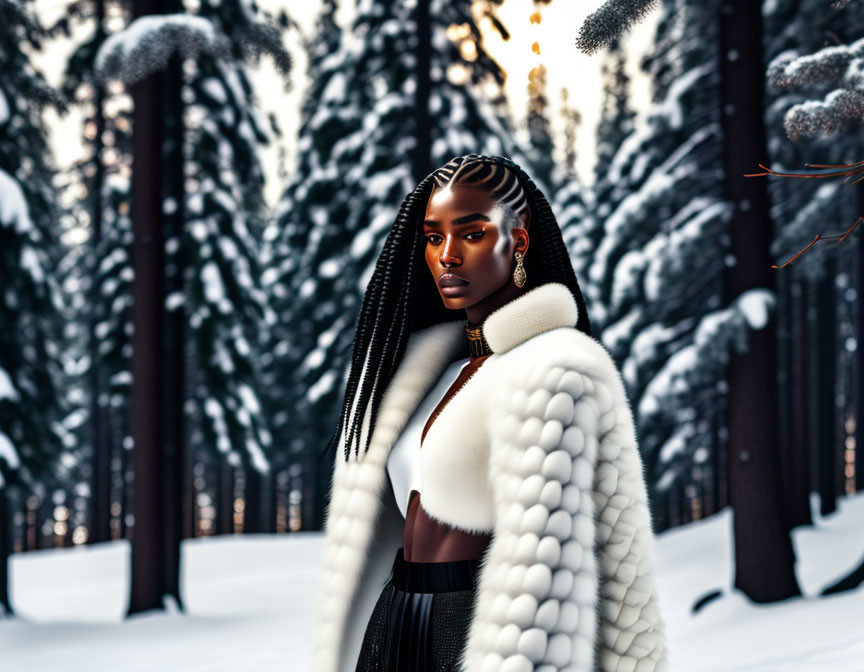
517, 537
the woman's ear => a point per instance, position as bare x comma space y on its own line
520, 240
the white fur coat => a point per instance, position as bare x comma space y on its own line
548, 462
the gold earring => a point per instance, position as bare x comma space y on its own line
519, 275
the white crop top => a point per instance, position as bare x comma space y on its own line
403, 463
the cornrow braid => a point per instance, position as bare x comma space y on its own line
496, 178
401, 299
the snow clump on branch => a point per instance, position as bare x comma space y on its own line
611, 21
839, 68
149, 42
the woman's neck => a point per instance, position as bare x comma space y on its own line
485, 307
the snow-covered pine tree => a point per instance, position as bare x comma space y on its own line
797, 30
288, 231
357, 159
810, 65
541, 143
616, 123
571, 199
224, 213
563, 188
99, 266
816, 61
214, 208
655, 285
572, 205
223, 210
33, 437
572, 122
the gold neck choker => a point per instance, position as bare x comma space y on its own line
477, 345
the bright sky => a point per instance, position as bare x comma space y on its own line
566, 66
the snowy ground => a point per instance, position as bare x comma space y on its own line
809, 634
250, 602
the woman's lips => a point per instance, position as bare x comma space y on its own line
451, 280
452, 285
454, 290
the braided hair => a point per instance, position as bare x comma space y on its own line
402, 298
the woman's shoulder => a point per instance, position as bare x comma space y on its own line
568, 348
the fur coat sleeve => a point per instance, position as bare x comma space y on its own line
567, 582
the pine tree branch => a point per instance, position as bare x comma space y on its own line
148, 43
610, 22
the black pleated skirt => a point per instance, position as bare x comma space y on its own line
420, 622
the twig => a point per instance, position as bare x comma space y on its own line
847, 170
817, 238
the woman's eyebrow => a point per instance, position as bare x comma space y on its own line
462, 220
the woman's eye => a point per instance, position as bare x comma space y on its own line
434, 238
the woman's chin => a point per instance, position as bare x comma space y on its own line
458, 302
456, 295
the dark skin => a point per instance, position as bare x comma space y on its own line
473, 248
463, 236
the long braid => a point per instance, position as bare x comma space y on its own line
384, 352
361, 340
382, 317
361, 343
386, 306
401, 299
397, 340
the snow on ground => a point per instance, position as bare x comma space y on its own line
731, 634
250, 603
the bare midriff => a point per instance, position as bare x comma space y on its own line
427, 539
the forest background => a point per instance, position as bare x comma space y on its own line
193, 195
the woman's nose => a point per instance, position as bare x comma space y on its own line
447, 255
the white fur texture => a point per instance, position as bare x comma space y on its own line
537, 310
551, 468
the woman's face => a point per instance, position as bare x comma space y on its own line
467, 246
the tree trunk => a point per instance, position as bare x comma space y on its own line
253, 497
849, 582
225, 505
859, 380
828, 450
421, 161
273, 501
798, 477
148, 552
764, 558
100, 509
29, 531
5, 551
126, 490
718, 463
188, 495
308, 482
174, 389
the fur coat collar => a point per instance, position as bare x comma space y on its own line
552, 469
